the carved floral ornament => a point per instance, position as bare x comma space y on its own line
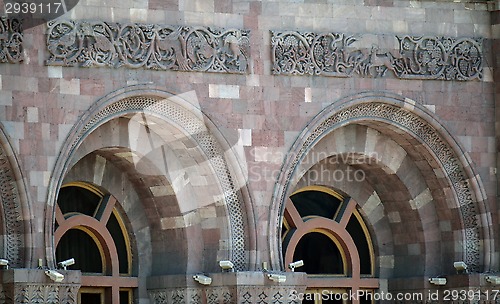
341, 55
11, 38
151, 46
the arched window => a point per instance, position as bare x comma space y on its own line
90, 229
326, 231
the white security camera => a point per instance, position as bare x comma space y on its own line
202, 279
493, 280
460, 266
66, 263
4, 262
54, 275
437, 281
276, 277
226, 265
297, 264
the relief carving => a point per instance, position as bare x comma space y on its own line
9, 198
150, 46
341, 55
11, 39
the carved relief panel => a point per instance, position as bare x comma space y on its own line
151, 46
406, 57
11, 38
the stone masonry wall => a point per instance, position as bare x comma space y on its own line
39, 104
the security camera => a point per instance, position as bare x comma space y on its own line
66, 263
297, 264
54, 275
4, 262
493, 280
437, 281
226, 265
460, 267
277, 277
202, 279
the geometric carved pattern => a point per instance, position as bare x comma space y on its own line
225, 295
11, 38
150, 46
418, 127
198, 132
40, 293
9, 200
334, 54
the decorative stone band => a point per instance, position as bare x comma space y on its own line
11, 38
151, 46
229, 287
23, 286
341, 55
10, 201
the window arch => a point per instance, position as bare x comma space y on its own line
90, 228
325, 230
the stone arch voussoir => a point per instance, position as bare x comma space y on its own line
183, 112
407, 117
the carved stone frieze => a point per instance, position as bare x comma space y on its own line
341, 55
11, 38
228, 288
226, 295
23, 285
150, 46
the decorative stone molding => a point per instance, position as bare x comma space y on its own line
150, 46
11, 39
11, 205
342, 55
233, 287
415, 125
21, 286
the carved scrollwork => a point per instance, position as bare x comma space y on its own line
151, 46
11, 39
337, 54
439, 58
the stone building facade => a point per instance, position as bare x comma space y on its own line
151, 140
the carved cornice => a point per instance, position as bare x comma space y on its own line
11, 38
341, 55
150, 46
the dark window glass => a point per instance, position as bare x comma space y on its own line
121, 246
125, 297
315, 203
320, 255
91, 298
360, 239
77, 244
77, 199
